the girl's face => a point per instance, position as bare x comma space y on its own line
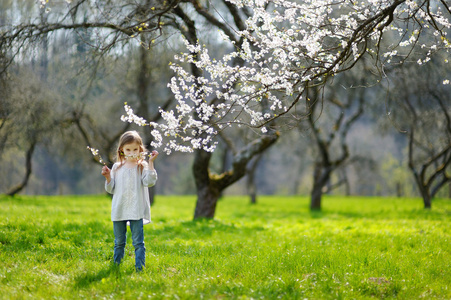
131, 151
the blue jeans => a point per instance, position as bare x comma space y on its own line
120, 239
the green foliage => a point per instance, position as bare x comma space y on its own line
356, 248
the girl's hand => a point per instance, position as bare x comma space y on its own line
106, 172
153, 155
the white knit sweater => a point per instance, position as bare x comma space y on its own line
130, 194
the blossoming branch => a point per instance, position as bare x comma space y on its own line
97, 157
286, 48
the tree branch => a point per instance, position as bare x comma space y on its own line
241, 159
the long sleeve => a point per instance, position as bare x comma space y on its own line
109, 187
149, 177
130, 195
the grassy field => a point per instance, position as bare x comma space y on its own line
356, 248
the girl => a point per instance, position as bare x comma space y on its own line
128, 180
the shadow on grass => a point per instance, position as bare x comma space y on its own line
85, 280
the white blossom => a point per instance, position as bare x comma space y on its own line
285, 45
97, 156
131, 117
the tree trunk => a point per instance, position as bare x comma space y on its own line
225, 160
143, 81
424, 189
210, 186
44, 59
251, 188
321, 176
317, 190
15, 190
316, 196
324, 165
151, 195
207, 198
208, 192
344, 181
253, 196
251, 185
426, 198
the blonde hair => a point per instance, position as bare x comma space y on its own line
128, 137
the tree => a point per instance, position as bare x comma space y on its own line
273, 53
27, 130
278, 49
250, 174
287, 48
342, 111
87, 117
210, 186
292, 55
422, 111
27, 111
124, 33
433, 172
4, 90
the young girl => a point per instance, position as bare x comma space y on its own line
128, 180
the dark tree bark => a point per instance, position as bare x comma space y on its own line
321, 176
28, 168
250, 173
430, 174
324, 165
429, 178
210, 186
4, 107
207, 191
143, 81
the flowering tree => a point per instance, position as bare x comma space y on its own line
285, 48
110, 28
277, 50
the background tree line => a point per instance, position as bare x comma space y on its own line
67, 73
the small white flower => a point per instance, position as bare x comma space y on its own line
95, 153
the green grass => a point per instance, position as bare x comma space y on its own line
356, 248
